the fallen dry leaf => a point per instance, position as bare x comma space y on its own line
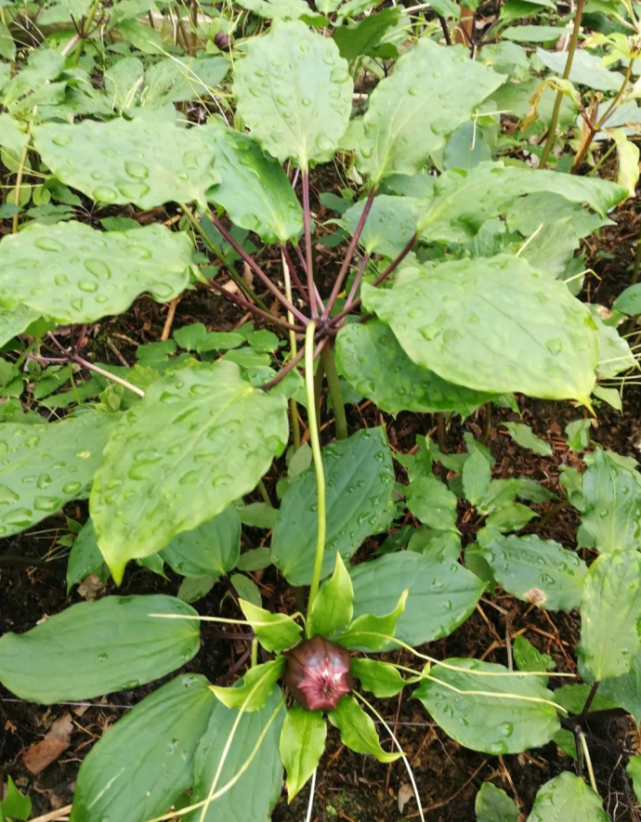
43, 753
405, 793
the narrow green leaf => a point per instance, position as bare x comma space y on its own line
526, 438
85, 558
381, 678
511, 714
275, 632
625, 691
212, 549
75, 274
372, 632
302, 743
357, 729
567, 798
167, 468
93, 648
306, 109
476, 476
333, 606
494, 805
511, 516
610, 611
252, 692
121, 776
15, 804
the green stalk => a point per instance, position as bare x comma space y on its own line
574, 40
314, 439
333, 383
85, 29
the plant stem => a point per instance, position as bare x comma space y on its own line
236, 298
16, 197
294, 275
98, 370
588, 761
293, 405
254, 652
85, 29
334, 386
309, 261
589, 700
264, 494
314, 439
574, 39
487, 423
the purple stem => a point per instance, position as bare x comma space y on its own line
292, 364
350, 252
236, 298
358, 278
47, 359
81, 337
309, 263
294, 274
303, 265
258, 270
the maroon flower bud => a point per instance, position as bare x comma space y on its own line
222, 40
318, 674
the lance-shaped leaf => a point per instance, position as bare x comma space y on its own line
302, 743
16, 320
275, 632
371, 632
494, 805
610, 611
492, 325
526, 438
476, 476
357, 730
359, 477
251, 762
462, 201
257, 684
442, 594
75, 274
498, 714
212, 549
372, 360
253, 188
534, 570
200, 439
43, 467
294, 93
93, 648
567, 798
333, 606
381, 678
390, 225
144, 762
431, 92
129, 161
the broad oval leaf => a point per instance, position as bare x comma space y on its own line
94, 648
431, 92
294, 93
253, 188
200, 439
359, 477
390, 225
144, 762
43, 467
489, 721
442, 594
492, 325
75, 274
129, 161
542, 572
493, 805
212, 549
610, 611
255, 794
567, 798
302, 743
371, 359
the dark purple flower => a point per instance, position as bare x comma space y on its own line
222, 40
318, 674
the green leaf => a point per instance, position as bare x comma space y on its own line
373, 362
194, 588
252, 693
431, 92
306, 109
610, 611
75, 274
615, 354
533, 34
567, 798
529, 658
536, 339
333, 606
201, 438
633, 770
127, 161
466, 148
44, 467
258, 515
625, 691
212, 549
364, 36
275, 632
283, 9
477, 476
359, 476
526, 438
254, 560
253, 188
390, 225
586, 69
611, 516
511, 516
246, 589
629, 300
371, 632
432, 503
85, 558
256, 792
542, 572
574, 697
7, 45
512, 714
357, 730
15, 805
381, 678
628, 155
120, 777
302, 743
442, 594
93, 648
494, 805
177, 80
578, 434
